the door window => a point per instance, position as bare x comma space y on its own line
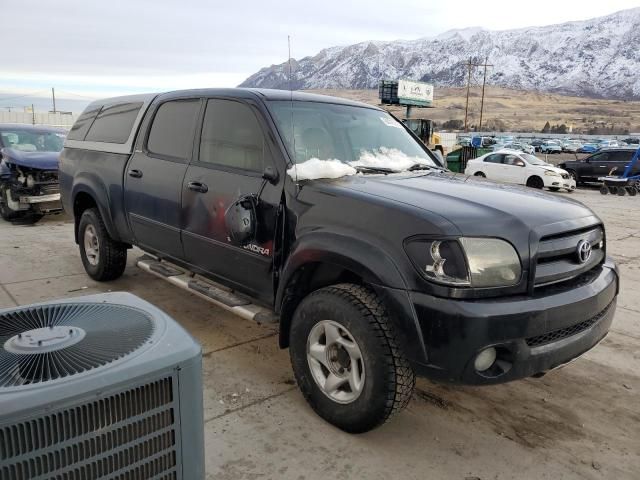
495, 158
81, 126
600, 157
171, 133
621, 156
231, 136
513, 160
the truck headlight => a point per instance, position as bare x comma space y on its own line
466, 262
552, 174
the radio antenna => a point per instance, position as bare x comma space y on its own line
293, 133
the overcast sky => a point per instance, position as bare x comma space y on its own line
97, 48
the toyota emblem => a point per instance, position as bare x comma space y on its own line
584, 251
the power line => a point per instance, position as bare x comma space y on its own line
469, 66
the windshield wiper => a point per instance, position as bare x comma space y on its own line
363, 168
422, 166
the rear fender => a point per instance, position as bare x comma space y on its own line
93, 186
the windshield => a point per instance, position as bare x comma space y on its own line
32, 140
360, 137
533, 160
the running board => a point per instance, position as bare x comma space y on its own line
204, 288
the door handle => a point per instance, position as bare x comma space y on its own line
135, 173
198, 187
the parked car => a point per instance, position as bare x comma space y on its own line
589, 148
602, 163
608, 144
513, 166
551, 146
522, 147
29, 170
328, 216
571, 146
536, 143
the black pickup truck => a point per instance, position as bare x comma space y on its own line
332, 218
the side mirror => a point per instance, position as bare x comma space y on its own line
240, 220
270, 174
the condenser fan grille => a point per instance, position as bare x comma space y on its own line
39, 344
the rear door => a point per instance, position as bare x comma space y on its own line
619, 159
153, 178
232, 152
493, 166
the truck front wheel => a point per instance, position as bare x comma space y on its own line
347, 359
103, 258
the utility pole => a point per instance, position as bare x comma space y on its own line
33, 114
484, 82
466, 108
471, 65
53, 96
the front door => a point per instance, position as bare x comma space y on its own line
153, 178
231, 156
598, 165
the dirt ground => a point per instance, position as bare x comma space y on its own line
581, 421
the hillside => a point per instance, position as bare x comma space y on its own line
596, 58
507, 109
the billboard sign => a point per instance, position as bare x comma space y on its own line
415, 93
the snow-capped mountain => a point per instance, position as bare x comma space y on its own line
595, 58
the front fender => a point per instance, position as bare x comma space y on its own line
374, 265
371, 263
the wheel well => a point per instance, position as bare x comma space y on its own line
82, 202
306, 279
534, 177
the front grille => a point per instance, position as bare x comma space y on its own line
48, 189
565, 332
557, 259
130, 435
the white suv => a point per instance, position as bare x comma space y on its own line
522, 168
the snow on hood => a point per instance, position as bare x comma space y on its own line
315, 168
388, 158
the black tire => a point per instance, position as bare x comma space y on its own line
389, 380
604, 190
112, 255
535, 182
622, 191
479, 174
613, 190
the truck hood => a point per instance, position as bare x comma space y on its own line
475, 206
39, 160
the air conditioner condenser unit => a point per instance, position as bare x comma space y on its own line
103, 386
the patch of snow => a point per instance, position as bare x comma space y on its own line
388, 158
315, 168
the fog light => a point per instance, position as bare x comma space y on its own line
485, 359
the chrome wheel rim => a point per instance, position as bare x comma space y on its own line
91, 245
335, 361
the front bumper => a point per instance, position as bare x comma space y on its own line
559, 182
49, 203
531, 334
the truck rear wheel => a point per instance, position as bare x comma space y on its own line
347, 359
103, 258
